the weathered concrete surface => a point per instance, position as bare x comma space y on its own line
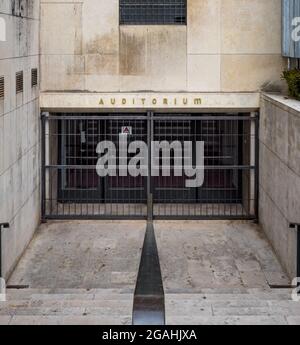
248, 307
83, 48
114, 307
280, 176
103, 254
19, 130
216, 254
83, 272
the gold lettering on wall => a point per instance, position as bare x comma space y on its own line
157, 101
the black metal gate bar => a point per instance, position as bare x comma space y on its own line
228, 160
297, 228
4, 226
71, 189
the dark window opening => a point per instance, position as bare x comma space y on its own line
159, 12
19, 82
34, 77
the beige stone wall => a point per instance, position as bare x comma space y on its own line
19, 130
280, 176
227, 46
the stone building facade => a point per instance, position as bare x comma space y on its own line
218, 62
226, 46
19, 128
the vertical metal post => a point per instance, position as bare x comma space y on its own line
43, 167
149, 178
4, 226
297, 227
256, 193
298, 252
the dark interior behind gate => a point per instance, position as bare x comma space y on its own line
73, 189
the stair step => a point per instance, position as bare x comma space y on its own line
114, 307
221, 320
69, 320
230, 297
38, 303
60, 311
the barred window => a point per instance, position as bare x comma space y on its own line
19, 82
159, 12
34, 77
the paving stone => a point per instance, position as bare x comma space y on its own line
109, 311
247, 265
237, 253
97, 320
36, 320
72, 296
123, 277
232, 320
245, 311
277, 278
79, 254
4, 320
253, 279
293, 320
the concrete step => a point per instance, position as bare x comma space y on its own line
67, 294
60, 303
225, 320
228, 291
250, 307
71, 311
114, 306
67, 320
67, 306
229, 297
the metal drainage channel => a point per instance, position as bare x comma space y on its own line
149, 298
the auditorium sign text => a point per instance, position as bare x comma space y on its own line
149, 101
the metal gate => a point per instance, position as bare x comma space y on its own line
72, 187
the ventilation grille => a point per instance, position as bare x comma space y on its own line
19, 82
1, 88
34, 77
157, 12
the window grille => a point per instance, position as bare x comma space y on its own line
1, 88
159, 12
19, 82
34, 77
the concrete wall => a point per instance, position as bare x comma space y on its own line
280, 175
19, 130
84, 48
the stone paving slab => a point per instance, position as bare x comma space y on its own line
198, 255
220, 320
215, 272
293, 320
259, 311
69, 320
82, 254
4, 320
